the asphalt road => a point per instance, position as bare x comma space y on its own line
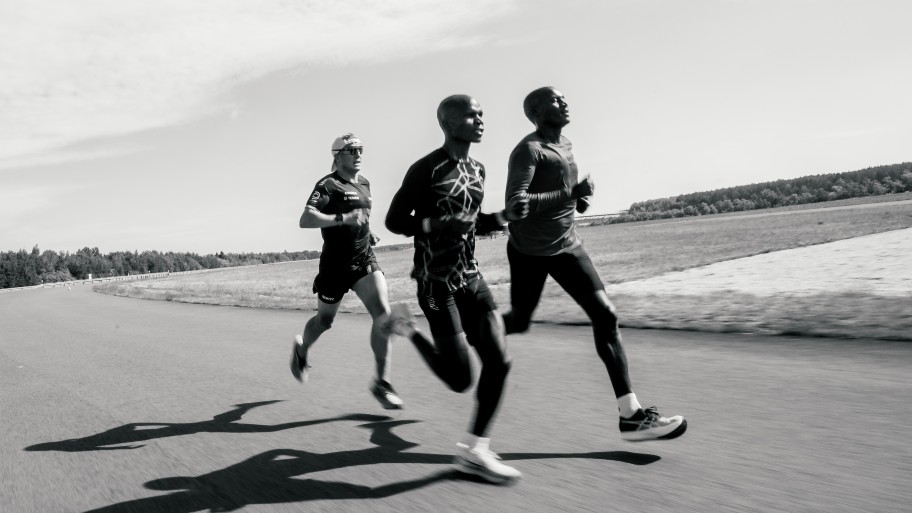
114, 404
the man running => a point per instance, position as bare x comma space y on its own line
438, 204
340, 206
542, 170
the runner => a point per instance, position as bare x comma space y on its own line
340, 206
542, 170
438, 204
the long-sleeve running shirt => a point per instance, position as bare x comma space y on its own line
434, 186
546, 172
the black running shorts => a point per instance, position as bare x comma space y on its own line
332, 283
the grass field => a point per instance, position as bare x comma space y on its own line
621, 253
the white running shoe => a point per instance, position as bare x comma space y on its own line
401, 321
483, 462
298, 363
384, 393
649, 424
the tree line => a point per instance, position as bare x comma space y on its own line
872, 181
25, 268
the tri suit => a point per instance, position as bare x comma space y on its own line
347, 255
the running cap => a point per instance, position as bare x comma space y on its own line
342, 142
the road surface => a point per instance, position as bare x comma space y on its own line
114, 404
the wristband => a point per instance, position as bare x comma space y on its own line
501, 217
426, 225
339, 219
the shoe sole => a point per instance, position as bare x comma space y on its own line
389, 406
640, 436
467, 467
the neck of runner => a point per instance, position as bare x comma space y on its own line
348, 177
457, 150
551, 134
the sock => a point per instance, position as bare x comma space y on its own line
628, 405
470, 440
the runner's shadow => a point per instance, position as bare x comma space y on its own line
634, 458
273, 477
114, 438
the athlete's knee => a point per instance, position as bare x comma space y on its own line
380, 320
324, 321
602, 312
516, 323
460, 380
502, 368
606, 320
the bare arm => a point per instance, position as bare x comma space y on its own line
313, 218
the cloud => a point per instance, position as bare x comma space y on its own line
16, 202
844, 134
95, 68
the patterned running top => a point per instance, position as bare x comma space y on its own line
434, 186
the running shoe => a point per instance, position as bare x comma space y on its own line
401, 321
483, 462
384, 393
299, 363
648, 424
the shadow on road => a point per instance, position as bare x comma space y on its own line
113, 439
272, 477
634, 458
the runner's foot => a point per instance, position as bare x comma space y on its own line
401, 321
648, 424
384, 393
483, 462
299, 363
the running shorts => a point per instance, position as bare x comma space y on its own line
332, 283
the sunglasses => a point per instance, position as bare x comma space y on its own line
357, 150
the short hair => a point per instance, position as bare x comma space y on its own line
449, 104
533, 100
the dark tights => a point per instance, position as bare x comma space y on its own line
574, 272
458, 320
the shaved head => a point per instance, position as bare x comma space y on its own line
534, 100
455, 104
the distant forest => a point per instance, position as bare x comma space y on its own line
872, 181
24, 268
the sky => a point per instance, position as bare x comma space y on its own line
202, 126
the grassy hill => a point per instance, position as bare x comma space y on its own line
621, 253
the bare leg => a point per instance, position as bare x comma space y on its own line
319, 323
372, 291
